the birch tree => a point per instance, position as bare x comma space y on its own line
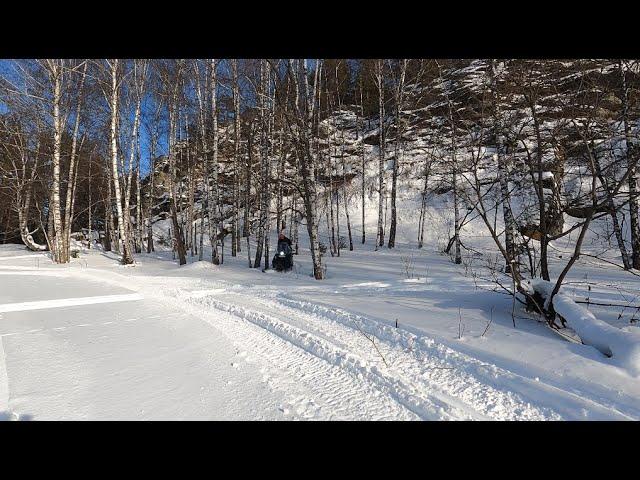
503, 173
213, 166
630, 154
172, 73
264, 166
21, 152
235, 233
399, 105
446, 89
114, 69
379, 75
56, 72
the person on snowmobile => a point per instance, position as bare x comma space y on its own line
283, 259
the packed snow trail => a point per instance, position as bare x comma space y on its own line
192, 347
425, 377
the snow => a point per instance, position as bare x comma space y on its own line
227, 342
622, 345
400, 334
545, 175
67, 302
4, 383
124, 360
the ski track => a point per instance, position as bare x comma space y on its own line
420, 382
364, 376
426, 368
318, 388
428, 386
480, 380
322, 354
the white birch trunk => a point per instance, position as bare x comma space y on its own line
56, 235
68, 211
381, 155
123, 241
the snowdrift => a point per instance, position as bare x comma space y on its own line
622, 346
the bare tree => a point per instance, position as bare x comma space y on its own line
171, 77
399, 91
379, 75
114, 94
633, 179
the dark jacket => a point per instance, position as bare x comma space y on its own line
285, 240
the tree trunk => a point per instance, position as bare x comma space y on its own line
296, 224
454, 174
89, 242
235, 234
177, 228
139, 226
307, 172
71, 184
544, 229
214, 200
246, 224
423, 206
632, 179
152, 194
24, 205
280, 174
57, 231
363, 166
613, 212
334, 246
396, 159
124, 244
346, 203
381, 148
110, 233
204, 204
264, 170
503, 173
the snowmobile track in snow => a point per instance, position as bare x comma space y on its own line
427, 386
480, 379
295, 361
423, 374
327, 355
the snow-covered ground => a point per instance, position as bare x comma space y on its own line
96, 340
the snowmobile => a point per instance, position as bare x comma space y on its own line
283, 259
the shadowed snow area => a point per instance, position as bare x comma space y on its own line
154, 341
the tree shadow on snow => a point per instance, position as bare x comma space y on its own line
502, 307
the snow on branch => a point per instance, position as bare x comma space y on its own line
622, 346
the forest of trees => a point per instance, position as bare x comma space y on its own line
232, 149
